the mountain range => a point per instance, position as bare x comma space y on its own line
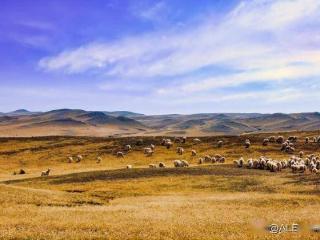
77, 122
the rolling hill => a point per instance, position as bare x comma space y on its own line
123, 123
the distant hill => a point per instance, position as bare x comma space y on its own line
123, 123
20, 112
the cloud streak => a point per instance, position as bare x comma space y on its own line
257, 41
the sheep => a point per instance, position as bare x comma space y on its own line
272, 139
152, 147
148, 151
207, 158
185, 163
239, 163
99, 160
180, 163
79, 158
162, 165
167, 143
120, 154
298, 167
129, 166
196, 140
292, 138
265, 142
221, 160
128, 148
220, 143
247, 143
180, 150
301, 153
152, 166
177, 163
70, 159
193, 153
45, 173
184, 139
307, 140
280, 139
139, 142
250, 163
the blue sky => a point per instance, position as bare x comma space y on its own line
159, 57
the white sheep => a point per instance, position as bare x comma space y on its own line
79, 158
45, 173
193, 153
70, 159
120, 154
99, 160
180, 150
128, 148
152, 166
247, 143
162, 165
196, 140
220, 143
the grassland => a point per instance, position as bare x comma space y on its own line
106, 201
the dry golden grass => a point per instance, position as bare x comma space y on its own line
106, 201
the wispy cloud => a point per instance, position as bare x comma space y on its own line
258, 41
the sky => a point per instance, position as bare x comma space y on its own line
160, 57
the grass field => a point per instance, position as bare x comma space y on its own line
87, 200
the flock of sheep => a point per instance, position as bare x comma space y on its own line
297, 164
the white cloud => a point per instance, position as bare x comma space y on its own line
262, 40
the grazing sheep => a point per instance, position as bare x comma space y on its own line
292, 138
148, 151
152, 147
185, 163
180, 163
152, 166
207, 159
265, 142
247, 143
220, 143
162, 165
128, 148
129, 166
307, 140
250, 163
239, 163
272, 139
280, 139
180, 150
184, 139
196, 140
301, 153
139, 142
45, 173
120, 154
99, 160
79, 158
70, 159
298, 168
177, 163
193, 153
